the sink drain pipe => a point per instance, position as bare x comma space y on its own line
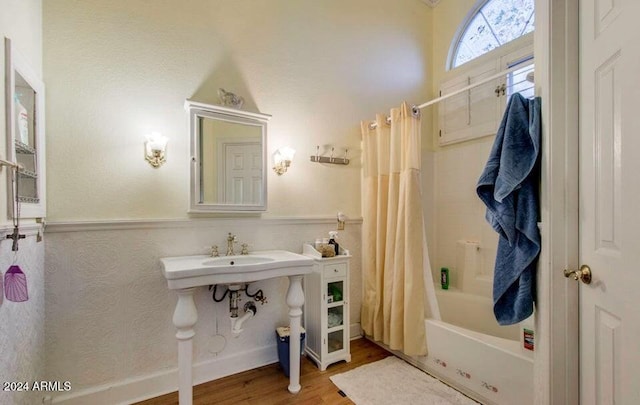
236, 323
234, 291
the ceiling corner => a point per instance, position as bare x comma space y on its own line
431, 3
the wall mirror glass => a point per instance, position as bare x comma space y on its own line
228, 159
24, 104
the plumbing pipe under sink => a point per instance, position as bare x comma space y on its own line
234, 298
236, 323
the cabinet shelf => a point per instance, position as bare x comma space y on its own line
27, 173
335, 304
28, 200
24, 148
25, 138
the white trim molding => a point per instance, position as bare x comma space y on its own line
556, 367
129, 224
25, 229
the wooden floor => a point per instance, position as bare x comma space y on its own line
268, 386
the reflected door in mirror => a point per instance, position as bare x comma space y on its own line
243, 174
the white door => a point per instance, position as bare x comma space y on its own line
610, 201
242, 173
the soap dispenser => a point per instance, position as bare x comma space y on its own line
332, 241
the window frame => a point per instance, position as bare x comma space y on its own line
462, 29
483, 67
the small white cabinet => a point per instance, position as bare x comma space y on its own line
24, 105
326, 308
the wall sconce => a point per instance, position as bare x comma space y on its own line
282, 159
155, 148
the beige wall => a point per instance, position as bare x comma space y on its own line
447, 18
21, 323
118, 69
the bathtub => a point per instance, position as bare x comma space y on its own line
488, 364
473, 312
489, 369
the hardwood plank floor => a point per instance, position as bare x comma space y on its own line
268, 386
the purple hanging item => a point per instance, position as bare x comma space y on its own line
15, 285
1, 289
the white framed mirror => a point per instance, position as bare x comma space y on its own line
228, 159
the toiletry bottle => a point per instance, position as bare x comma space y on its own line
444, 278
332, 241
527, 334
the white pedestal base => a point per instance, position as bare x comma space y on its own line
295, 300
185, 317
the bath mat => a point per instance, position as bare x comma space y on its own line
394, 381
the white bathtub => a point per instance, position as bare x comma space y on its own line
491, 369
471, 351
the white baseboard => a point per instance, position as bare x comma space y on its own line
156, 384
355, 331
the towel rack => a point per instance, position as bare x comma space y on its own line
330, 159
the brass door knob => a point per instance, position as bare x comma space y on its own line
583, 274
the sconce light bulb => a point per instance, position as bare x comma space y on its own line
155, 148
287, 153
282, 159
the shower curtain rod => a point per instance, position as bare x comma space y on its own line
7, 163
455, 93
469, 87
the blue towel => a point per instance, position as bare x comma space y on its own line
509, 188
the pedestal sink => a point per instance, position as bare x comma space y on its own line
186, 273
193, 271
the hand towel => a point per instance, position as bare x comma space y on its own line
509, 188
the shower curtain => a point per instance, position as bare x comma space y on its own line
395, 260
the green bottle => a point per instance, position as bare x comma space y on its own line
444, 278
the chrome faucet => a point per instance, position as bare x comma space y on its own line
231, 239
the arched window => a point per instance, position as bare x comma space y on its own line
491, 24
